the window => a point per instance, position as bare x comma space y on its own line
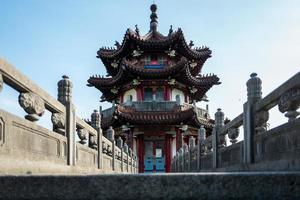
147, 59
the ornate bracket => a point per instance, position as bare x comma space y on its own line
193, 64
59, 122
136, 82
171, 81
171, 53
193, 90
32, 104
137, 53
114, 64
114, 90
289, 102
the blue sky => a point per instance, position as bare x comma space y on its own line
46, 39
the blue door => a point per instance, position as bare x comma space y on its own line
154, 157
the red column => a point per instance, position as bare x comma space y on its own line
167, 93
140, 94
141, 152
168, 154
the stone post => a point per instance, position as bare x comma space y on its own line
65, 97
130, 153
254, 95
126, 151
119, 142
219, 123
185, 152
191, 150
201, 145
111, 137
96, 124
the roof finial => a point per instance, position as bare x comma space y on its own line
137, 30
153, 17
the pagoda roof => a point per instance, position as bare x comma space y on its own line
111, 87
123, 115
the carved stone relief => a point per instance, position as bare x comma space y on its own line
59, 122
33, 105
260, 120
289, 102
233, 133
82, 134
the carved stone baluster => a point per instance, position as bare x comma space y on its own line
219, 117
289, 102
95, 120
32, 104
82, 134
260, 121
208, 144
65, 86
233, 133
201, 139
59, 122
92, 141
110, 133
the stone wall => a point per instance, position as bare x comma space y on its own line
262, 149
27, 148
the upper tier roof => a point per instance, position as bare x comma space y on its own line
153, 41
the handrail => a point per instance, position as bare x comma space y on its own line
18, 81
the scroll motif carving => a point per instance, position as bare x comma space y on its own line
82, 134
92, 142
289, 102
233, 133
260, 121
208, 143
1, 82
222, 141
59, 122
32, 104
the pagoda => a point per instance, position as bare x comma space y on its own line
153, 82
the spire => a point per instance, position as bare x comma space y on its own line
153, 17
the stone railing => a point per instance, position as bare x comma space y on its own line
261, 149
26, 147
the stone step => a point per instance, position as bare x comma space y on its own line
245, 185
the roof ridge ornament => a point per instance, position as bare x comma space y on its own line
153, 17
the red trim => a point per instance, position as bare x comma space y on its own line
139, 94
141, 152
168, 155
